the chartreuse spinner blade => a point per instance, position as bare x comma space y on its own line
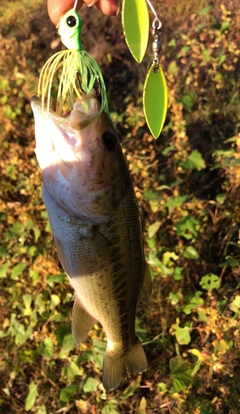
135, 20
70, 73
155, 93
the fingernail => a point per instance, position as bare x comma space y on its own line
90, 3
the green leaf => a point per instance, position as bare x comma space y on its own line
110, 407
51, 279
31, 397
68, 343
11, 172
55, 300
4, 270
174, 202
17, 270
168, 150
45, 348
210, 281
98, 352
191, 253
129, 391
220, 346
194, 302
68, 392
177, 275
221, 60
39, 304
154, 261
200, 359
37, 233
41, 409
180, 373
27, 300
235, 305
99, 346
173, 68
225, 26
162, 387
169, 258
202, 315
142, 406
174, 297
205, 10
15, 326
182, 334
3, 251
195, 161
187, 102
153, 229
23, 335
172, 43
230, 261
186, 227
70, 371
135, 21
16, 230
206, 56
141, 332
183, 51
155, 100
90, 385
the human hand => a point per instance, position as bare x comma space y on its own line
56, 8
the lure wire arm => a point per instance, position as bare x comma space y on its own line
156, 32
155, 14
75, 4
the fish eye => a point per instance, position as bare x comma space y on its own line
109, 140
71, 21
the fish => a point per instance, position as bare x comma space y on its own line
94, 217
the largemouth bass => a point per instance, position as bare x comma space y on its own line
88, 192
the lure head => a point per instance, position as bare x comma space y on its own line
70, 30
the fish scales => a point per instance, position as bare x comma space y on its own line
94, 217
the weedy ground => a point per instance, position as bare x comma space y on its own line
187, 183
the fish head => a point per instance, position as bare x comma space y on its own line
81, 158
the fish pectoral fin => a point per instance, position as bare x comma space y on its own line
82, 322
115, 368
147, 283
61, 255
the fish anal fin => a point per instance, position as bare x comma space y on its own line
82, 322
115, 368
147, 283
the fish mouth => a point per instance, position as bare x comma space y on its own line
84, 110
73, 134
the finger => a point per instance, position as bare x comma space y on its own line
57, 8
108, 7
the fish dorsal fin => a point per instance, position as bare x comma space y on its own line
82, 322
147, 283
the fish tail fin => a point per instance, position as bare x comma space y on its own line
116, 367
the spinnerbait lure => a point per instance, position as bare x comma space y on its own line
70, 73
